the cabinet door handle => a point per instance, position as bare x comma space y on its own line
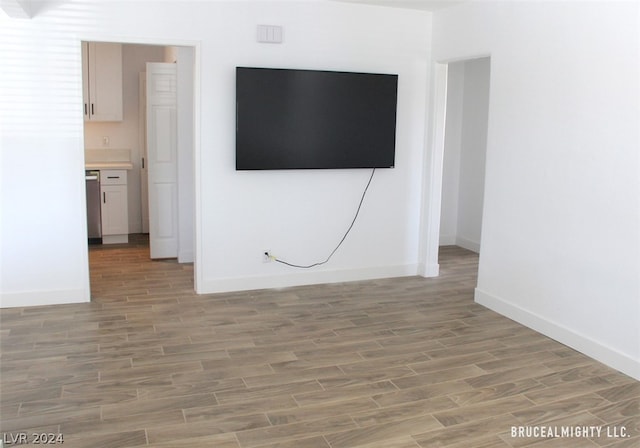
143, 163
85, 108
92, 112
104, 197
113, 177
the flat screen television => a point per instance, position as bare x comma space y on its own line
311, 119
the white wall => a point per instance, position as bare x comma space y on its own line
300, 216
473, 150
43, 254
465, 153
560, 236
185, 59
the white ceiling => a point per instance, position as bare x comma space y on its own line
423, 5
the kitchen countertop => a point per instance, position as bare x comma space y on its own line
108, 166
107, 159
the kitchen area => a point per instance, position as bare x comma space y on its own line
115, 140
118, 120
107, 196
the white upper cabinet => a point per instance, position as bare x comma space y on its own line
102, 81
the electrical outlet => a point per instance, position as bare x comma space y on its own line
105, 141
266, 256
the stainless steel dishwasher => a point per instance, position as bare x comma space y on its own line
94, 218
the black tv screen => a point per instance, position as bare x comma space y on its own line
310, 119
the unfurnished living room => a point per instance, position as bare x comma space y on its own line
320, 223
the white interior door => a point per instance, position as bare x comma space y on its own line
162, 159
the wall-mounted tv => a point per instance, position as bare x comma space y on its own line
311, 119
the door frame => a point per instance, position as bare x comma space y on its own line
197, 55
432, 185
433, 170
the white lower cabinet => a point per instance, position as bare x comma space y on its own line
115, 214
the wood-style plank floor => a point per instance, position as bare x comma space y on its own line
394, 363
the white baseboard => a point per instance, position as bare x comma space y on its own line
447, 240
38, 298
304, 278
582, 343
115, 239
186, 257
465, 243
429, 270
454, 240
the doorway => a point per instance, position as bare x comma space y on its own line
127, 134
443, 190
465, 147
